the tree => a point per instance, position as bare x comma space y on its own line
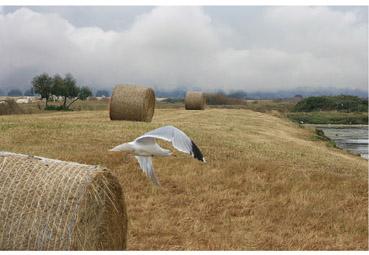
65, 88
62, 87
101, 93
83, 94
59, 88
71, 90
42, 85
71, 86
68, 89
15, 93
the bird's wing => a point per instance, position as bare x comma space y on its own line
177, 137
146, 166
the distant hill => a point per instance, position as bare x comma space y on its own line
306, 92
179, 93
243, 94
176, 93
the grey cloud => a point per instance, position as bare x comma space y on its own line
167, 47
117, 18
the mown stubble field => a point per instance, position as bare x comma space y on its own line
267, 184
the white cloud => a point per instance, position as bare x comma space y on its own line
182, 46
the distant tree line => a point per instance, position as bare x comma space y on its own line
238, 94
342, 103
223, 99
102, 93
66, 88
17, 93
180, 93
30, 92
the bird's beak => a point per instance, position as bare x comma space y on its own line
121, 147
114, 149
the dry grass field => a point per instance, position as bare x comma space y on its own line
268, 185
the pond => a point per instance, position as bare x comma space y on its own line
353, 138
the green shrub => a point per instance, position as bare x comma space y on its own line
329, 117
341, 103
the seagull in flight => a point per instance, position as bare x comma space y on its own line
145, 147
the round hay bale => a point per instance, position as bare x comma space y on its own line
56, 205
132, 103
195, 100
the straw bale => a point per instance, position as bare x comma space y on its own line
195, 101
9, 106
132, 103
56, 205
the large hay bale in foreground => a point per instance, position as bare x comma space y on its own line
57, 205
132, 103
9, 106
195, 100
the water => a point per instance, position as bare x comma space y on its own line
348, 137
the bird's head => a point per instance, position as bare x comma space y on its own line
122, 147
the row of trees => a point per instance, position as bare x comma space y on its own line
29, 92
47, 86
223, 99
17, 93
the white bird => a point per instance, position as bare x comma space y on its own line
145, 147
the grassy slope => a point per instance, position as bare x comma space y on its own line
266, 184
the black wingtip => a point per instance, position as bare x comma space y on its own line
197, 153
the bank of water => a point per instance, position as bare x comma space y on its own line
353, 138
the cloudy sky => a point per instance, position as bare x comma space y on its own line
210, 48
